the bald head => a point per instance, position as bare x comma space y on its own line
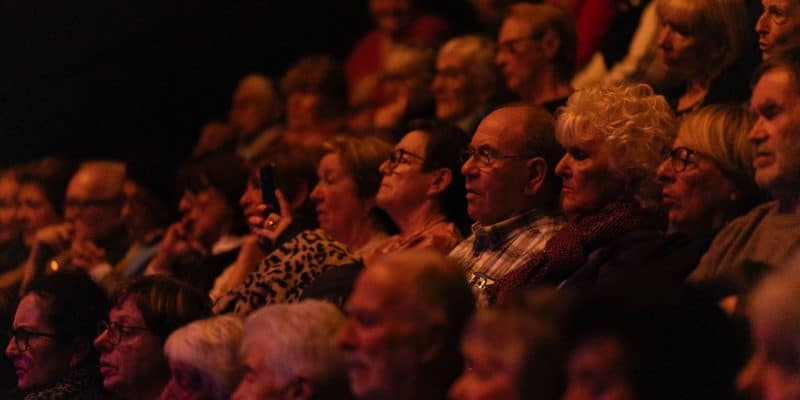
94, 198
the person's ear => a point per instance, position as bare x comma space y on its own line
81, 348
537, 174
551, 43
298, 388
441, 181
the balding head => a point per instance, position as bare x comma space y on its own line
406, 314
255, 105
518, 138
94, 198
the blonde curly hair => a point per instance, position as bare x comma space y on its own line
636, 126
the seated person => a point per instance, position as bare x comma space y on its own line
515, 213
210, 233
252, 126
287, 353
536, 49
12, 249
778, 27
422, 189
143, 314
93, 235
51, 338
351, 227
404, 321
613, 136
204, 359
465, 81
774, 137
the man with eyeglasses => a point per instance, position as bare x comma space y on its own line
93, 237
512, 193
536, 49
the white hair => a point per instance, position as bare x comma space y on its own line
212, 347
477, 53
296, 340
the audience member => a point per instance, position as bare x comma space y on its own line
512, 193
707, 44
12, 249
203, 357
397, 22
209, 235
778, 27
143, 314
465, 81
252, 121
316, 99
503, 348
613, 136
536, 50
51, 338
404, 322
774, 312
288, 353
774, 137
93, 236
422, 189
42, 187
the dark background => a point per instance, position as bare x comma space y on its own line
137, 79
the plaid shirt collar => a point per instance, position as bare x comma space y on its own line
492, 237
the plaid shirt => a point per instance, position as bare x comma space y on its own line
493, 251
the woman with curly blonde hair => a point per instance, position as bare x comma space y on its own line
613, 136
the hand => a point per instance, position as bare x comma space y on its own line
86, 255
54, 238
270, 228
177, 241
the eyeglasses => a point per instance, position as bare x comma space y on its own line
486, 156
679, 158
23, 336
94, 203
402, 156
510, 46
115, 332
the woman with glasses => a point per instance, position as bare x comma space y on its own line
422, 189
50, 341
613, 136
143, 314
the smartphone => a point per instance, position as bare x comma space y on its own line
266, 175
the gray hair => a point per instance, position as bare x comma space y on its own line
477, 53
296, 340
210, 346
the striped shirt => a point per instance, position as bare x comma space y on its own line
493, 251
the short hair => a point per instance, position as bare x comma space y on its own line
544, 17
477, 53
295, 340
75, 305
52, 175
361, 158
165, 303
635, 123
788, 61
720, 131
294, 166
445, 144
223, 172
320, 74
211, 346
417, 60
723, 24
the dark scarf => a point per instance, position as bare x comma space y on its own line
565, 252
81, 384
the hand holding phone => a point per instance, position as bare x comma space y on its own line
266, 176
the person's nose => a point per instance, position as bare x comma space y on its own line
562, 168
11, 348
346, 338
761, 25
665, 174
101, 342
757, 133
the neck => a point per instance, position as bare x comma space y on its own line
418, 219
359, 233
545, 87
788, 201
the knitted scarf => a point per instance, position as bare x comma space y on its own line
81, 384
568, 250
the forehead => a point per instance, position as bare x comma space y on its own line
88, 183
775, 85
127, 313
497, 131
450, 60
379, 290
675, 10
514, 28
330, 162
30, 312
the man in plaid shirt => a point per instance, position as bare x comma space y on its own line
512, 193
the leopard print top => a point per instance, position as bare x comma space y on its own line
282, 275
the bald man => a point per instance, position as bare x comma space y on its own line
404, 322
512, 193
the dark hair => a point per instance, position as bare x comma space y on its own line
294, 166
165, 304
75, 305
445, 144
223, 172
154, 178
52, 174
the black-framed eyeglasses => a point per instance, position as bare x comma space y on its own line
22, 337
486, 156
679, 158
510, 46
399, 156
115, 332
